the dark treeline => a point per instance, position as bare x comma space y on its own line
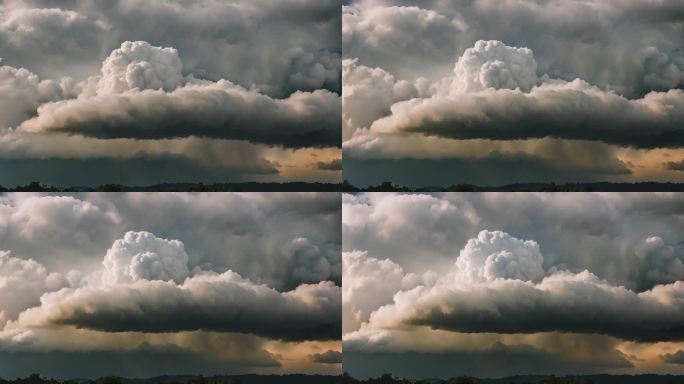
389, 379
187, 379
347, 379
534, 379
525, 187
185, 187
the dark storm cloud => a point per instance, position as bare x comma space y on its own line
674, 358
333, 165
675, 166
224, 303
228, 112
329, 357
226, 280
573, 110
421, 76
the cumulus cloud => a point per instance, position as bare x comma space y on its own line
254, 69
599, 270
363, 274
498, 255
143, 256
495, 285
21, 92
329, 357
674, 358
552, 71
492, 64
138, 65
23, 282
132, 102
213, 302
483, 105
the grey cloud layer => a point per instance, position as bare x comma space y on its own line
483, 92
278, 47
552, 279
142, 94
592, 40
496, 94
224, 281
247, 233
221, 91
497, 281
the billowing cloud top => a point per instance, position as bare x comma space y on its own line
563, 276
258, 273
218, 91
494, 85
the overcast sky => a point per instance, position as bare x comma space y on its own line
138, 285
139, 92
494, 92
518, 283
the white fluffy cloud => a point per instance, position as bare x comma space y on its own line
494, 96
139, 95
21, 92
492, 64
138, 65
471, 299
497, 96
143, 256
498, 255
23, 282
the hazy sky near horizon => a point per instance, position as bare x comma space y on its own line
497, 284
140, 92
138, 285
494, 92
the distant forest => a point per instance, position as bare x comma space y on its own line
525, 187
185, 187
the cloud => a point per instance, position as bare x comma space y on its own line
279, 48
674, 358
329, 357
363, 274
138, 65
21, 92
481, 105
571, 72
211, 302
591, 40
122, 109
491, 289
498, 255
333, 165
145, 286
22, 283
143, 256
492, 64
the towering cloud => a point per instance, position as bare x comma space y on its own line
551, 280
217, 91
211, 282
506, 85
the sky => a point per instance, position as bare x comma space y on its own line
491, 285
139, 285
493, 92
137, 92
